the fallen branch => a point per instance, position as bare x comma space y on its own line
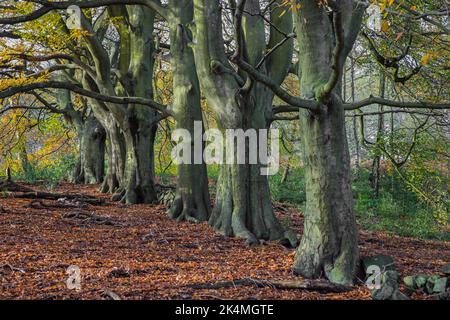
311, 285
59, 196
39, 204
88, 217
166, 186
11, 186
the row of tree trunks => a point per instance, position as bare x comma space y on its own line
243, 207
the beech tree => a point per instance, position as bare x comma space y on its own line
90, 166
192, 194
243, 206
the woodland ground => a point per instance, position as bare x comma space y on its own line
144, 255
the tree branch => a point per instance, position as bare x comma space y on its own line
391, 103
48, 6
164, 110
280, 92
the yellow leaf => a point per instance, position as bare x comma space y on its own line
426, 59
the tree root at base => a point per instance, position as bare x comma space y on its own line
310, 285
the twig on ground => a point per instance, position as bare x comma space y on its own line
110, 294
12, 268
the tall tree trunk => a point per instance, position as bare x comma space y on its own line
27, 167
140, 124
192, 200
139, 168
92, 146
355, 120
243, 205
329, 245
115, 158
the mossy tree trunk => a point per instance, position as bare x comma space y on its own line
139, 124
131, 128
92, 146
329, 243
329, 246
90, 166
115, 158
243, 205
192, 200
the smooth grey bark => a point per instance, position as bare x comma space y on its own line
90, 166
355, 121
115, 143
329, 246
116, 159
140, 124
92, 153
192, 201
130, 128
243, 205
329, 243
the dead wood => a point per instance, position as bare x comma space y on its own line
39, 204
75, 200
59, 196
110, 294
89, 217
310, 285
11, 186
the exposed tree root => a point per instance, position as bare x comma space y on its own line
310, 285
61, 204
89, 217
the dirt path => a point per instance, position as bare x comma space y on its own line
144, 255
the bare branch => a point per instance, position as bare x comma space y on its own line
391, 103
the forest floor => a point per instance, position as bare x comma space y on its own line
138, 253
